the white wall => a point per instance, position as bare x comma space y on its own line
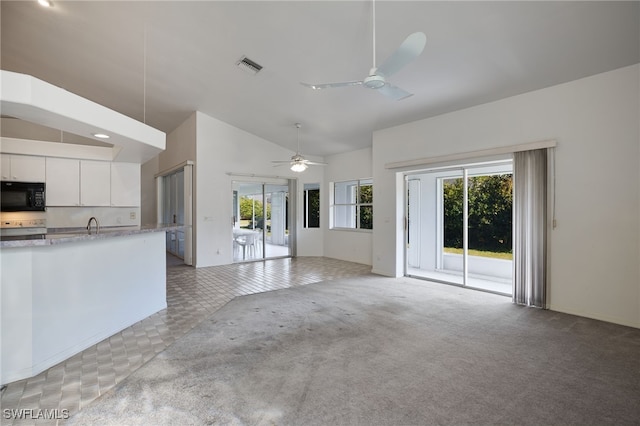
217, 149
223, 149
349, 245
594, 251
181, 147
148, 196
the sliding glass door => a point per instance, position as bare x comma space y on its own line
276, 231
261, 220
460, 226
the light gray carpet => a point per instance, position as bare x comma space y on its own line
382, 351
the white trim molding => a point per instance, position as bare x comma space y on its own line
549, 143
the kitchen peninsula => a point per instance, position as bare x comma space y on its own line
64, 291
68, 291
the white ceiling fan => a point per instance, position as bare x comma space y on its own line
298, 162
410, 49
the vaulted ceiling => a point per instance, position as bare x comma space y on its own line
159, 61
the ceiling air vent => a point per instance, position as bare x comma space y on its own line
248, 65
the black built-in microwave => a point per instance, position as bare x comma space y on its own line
22, 196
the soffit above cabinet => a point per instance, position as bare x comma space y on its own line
30, 99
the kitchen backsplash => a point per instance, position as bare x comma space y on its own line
73, 217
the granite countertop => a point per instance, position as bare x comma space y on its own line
70, 235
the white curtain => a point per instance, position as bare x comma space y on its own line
530, 227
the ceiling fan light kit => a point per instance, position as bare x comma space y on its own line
297, 162
374, 81
299, 167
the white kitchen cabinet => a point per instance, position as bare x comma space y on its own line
22, 168
95, 186
125, 184
89, 183
62, 182
5, 166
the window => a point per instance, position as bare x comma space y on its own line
353, 204
311, 205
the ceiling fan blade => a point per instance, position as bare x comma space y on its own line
281, 162
394, 92
410, 49
316, 163
331, 85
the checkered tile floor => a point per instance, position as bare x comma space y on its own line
192, 295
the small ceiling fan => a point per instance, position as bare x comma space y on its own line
298, 162
410, 49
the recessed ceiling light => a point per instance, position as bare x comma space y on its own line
101, 135
45, 3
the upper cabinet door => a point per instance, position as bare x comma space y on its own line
125, 184
95, 188
23, 168
5, 166
63, 182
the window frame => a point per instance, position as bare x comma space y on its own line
356, 204
306, 223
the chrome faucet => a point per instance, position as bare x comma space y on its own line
92, 218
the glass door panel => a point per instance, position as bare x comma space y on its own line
413, 223
451, 250
248, 221
276, 231
261, 221
425, 232
489, 259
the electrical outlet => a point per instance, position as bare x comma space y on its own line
132, 215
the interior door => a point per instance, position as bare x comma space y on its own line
174, 211
174, 191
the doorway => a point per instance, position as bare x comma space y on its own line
174, 207
261, 220
459, 226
